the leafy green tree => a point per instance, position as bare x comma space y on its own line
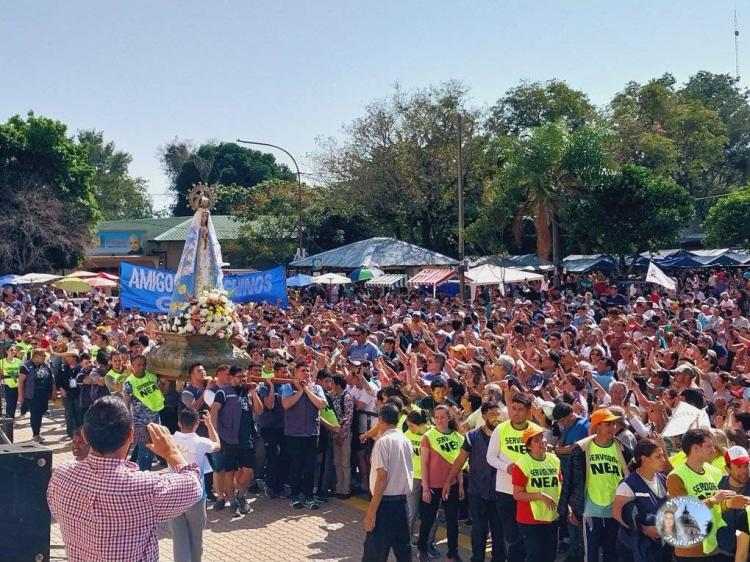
545, 170
722, 93
48, 201
676, 135
119, 195
631, 211
397, 165
228, 164
727, 221
530, 105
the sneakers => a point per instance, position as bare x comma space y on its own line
312, 505
38, 438
269, 493
234, 507
219, 504
455, 558
320, 498
297, 502
244, 507
433, 551
422, 556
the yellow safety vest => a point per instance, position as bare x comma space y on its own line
603, 473
511, 440
26, 348
146, 390
542, 476
681, 458
447, 445
704, 486
416, 451
11, 370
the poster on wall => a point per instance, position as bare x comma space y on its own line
125, 243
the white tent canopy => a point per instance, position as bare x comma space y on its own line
331, 279
495, 275
36, 278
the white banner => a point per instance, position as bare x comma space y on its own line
657, 276
686, 417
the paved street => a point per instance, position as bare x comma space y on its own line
272, 532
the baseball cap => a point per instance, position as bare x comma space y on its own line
532, 431
602, 415
736, 455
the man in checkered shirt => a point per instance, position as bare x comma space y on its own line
107, 509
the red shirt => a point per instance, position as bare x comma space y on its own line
523, 509
108, 510
437, 468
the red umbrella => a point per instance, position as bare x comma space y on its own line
108, 276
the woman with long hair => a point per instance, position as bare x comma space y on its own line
637, 499
439, 448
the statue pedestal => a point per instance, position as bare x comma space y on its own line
173, 358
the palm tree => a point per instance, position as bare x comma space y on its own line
548, 166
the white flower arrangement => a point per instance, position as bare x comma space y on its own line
211, 314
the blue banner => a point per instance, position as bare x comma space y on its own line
150, 290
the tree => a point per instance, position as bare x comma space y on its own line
228, 164
530, 105
397, 164
722, 93
118, 195
676, 135
632, 211
49, 203
727, 221
546, 169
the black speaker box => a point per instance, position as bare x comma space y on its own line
25, 470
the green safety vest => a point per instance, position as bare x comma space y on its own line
26, 348
447, 445
681, 458
511, 440
542, 476
146, 390
704, 486
11, 369
604, 470
416, 451
119, 378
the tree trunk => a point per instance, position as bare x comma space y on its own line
556, 248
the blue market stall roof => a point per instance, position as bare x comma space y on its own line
378, 252
587, 263
525, 261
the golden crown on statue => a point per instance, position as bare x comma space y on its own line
201, 196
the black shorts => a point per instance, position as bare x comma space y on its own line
234, 457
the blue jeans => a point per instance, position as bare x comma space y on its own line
144, 457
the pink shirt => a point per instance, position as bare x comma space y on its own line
108, 510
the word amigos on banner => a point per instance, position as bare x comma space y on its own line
150, 290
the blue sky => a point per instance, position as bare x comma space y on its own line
288, 71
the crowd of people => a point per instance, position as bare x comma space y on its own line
532, 418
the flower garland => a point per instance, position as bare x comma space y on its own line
211, 314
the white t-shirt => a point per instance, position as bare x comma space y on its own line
195, 448
655, 485
392, 451
370, 401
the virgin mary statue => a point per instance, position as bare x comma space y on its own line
200, 264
